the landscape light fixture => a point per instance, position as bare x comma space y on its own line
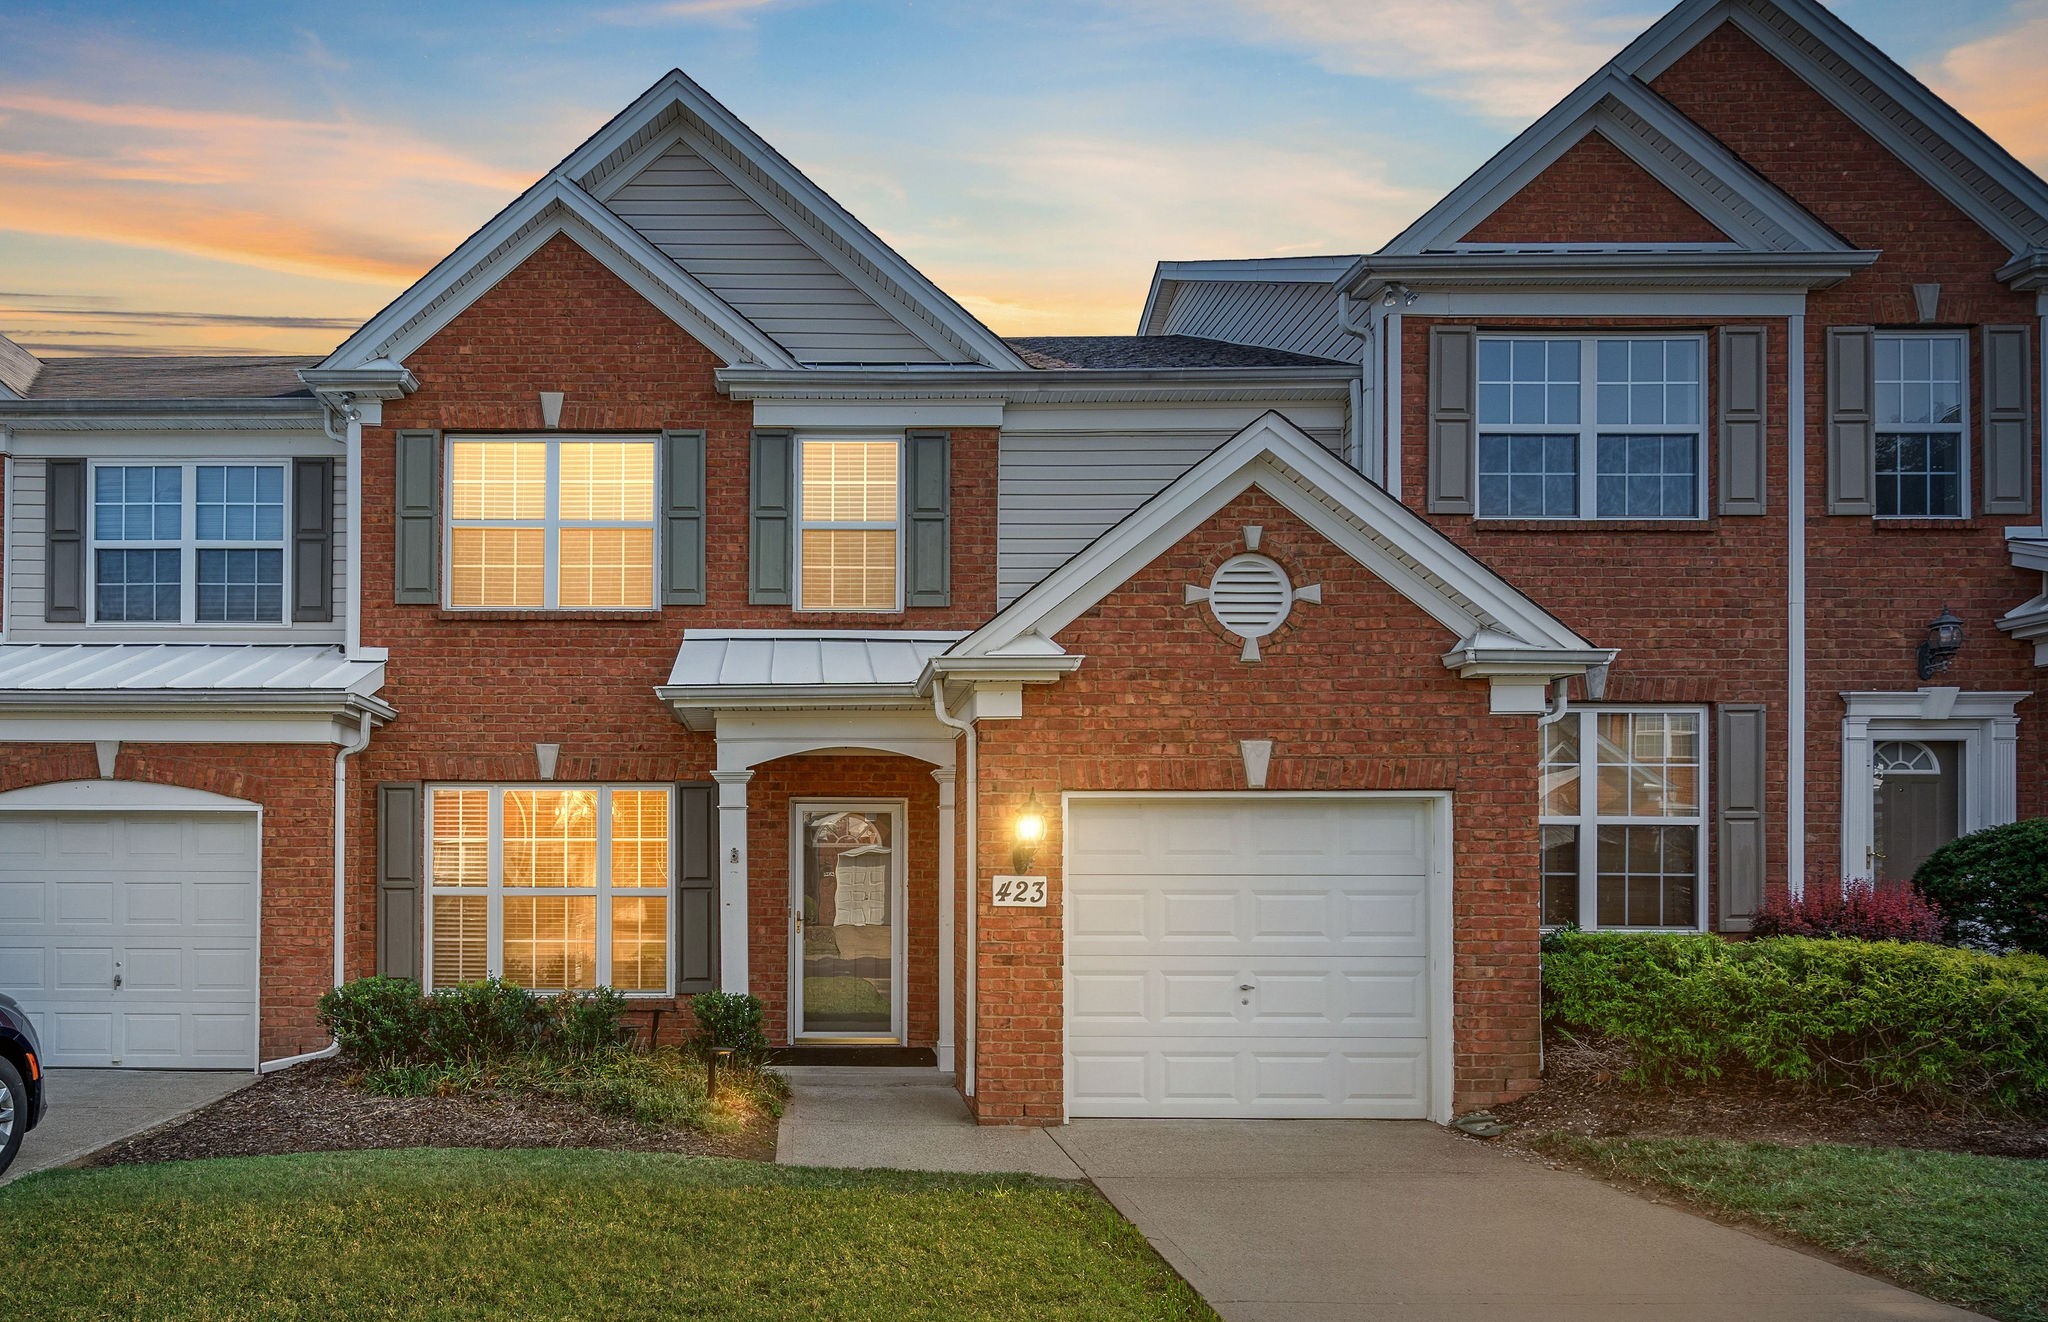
1944, 640
1030, 830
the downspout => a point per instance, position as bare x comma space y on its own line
973, 810
1560, 703
1364, 458
1795, 608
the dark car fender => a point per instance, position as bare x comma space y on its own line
19, 1048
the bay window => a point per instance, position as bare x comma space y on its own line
188, 543
1622, 815
551, 523
1922, 426
848, 548
1607, 427
556, 888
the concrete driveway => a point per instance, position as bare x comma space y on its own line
1314, 1221
90, 1109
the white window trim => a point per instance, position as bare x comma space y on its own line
1589, 819
899, 897
551, 523
1588, 429
187, 544
1985, 724
804, 525
494, 890
1960, 430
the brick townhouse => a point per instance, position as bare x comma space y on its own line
675, 590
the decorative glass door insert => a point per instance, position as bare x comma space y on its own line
848, 897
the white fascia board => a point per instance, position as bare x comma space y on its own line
1569, 272
1509, 302
148, 415
164, 444
1159, 298
875, 415
1396, 544
1936, 703
1261, 270
1042, 385
1679, 31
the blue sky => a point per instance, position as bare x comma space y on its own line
221, 177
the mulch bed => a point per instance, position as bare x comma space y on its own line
1583, 1093
314, 1108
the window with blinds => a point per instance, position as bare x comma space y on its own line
850, 501
551, 523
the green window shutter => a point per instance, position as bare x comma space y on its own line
928, 519
399, 834
771, 526
1742, 432
696, 850
64, 541
1453, 417
416, 560
312, 541
1852, 420
2008, 421
1739, 790
682, 514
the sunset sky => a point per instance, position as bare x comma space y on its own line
259, 178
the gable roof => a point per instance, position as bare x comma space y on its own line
1500, 631
89, 378
1940, 144
1755, 215
18, 369
750, 184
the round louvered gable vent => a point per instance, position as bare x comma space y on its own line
1250, 596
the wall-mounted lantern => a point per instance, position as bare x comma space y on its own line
1944, 640
1030, 831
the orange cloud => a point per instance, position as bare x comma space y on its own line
1997, 81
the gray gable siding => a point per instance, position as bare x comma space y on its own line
1061, 490
713, 230
1290, 315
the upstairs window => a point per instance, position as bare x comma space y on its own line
850, 505
1606, 427
1922, 415
540, 524
188, 543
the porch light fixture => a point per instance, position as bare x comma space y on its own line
1030, 830
1944, 640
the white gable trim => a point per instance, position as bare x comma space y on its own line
1953, 155
679, 99
1753, 213
1485, 613
555, 206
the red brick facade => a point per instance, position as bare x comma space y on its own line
1611, 199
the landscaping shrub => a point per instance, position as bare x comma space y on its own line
1853, 908
664, 1087
731, 1019
1909, 1018
1992, 886
484, 1020
377, 1021
583, 1023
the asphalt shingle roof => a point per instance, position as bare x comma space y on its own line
170, 378
1110, 352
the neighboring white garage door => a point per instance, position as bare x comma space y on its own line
1263, 956
165, 901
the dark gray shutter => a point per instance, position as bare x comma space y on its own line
771, 528
64, 541
2008, 428
1742, 431
1739, 788
682, 512
928, 534
416, 563
696, 889
312, 541
1453, 410
399, 833
1852, 420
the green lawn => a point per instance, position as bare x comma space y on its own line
567, 1234
1969, 1230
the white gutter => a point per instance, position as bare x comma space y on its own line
972, 807
1795, 608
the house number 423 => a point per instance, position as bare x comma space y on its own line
1018, 892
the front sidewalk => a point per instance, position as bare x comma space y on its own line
910, 1119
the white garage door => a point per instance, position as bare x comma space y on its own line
130, 938
1248, 957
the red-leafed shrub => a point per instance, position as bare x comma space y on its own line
1853, 908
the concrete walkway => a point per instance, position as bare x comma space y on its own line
1317, 1221
90, 1109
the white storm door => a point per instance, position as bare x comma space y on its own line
131, 938
1261, 956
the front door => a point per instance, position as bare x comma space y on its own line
1916, 798
846, 911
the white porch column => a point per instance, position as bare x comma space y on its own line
948, 812
732, 878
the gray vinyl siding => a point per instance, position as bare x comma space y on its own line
25, 583
1059, 491
1296, 316
713, 230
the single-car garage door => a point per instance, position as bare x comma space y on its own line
1248, 956
130, 938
